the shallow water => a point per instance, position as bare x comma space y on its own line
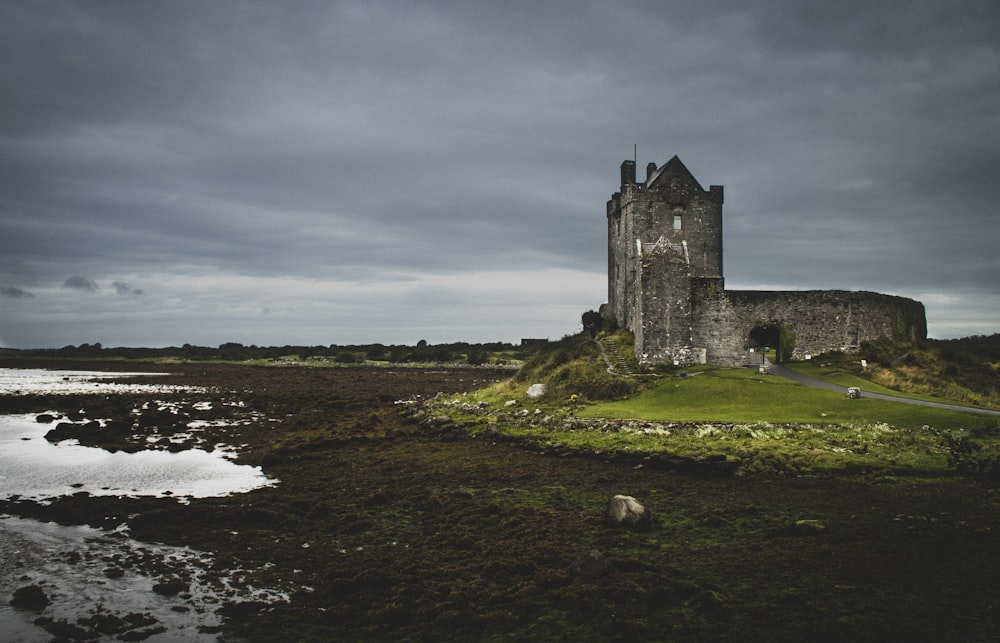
33, 468
88, 573
36, 381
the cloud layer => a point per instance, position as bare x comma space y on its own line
339, 172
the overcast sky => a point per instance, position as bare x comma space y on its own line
356, 172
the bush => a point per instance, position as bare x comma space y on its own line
592, 322
347, 357
786, 341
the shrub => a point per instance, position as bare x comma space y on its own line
786, 343
592, 322
347, 357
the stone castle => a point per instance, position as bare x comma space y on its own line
665, 284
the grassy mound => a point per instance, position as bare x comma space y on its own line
963, 370
574, 366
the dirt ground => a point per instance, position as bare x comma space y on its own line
386, 529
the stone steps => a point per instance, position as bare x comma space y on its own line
616, 363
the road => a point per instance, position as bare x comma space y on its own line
788, 373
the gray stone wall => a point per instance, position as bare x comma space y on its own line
665, 313
820, 320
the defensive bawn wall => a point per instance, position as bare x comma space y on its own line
665, 284
811, 321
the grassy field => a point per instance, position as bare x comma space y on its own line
751, 423
742, 396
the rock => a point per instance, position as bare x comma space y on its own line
64, 630
510, 403
62, 431
171, 587
854, 393
30, 598
627, 511
536, 391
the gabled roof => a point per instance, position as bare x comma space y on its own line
673, 169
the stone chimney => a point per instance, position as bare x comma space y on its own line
628, 173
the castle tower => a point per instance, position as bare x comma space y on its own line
664, 237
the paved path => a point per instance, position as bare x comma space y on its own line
788, 373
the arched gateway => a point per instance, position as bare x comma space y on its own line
665, 284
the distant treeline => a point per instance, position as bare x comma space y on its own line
498, 353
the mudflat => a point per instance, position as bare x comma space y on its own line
382, 528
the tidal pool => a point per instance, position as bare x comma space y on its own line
35, 469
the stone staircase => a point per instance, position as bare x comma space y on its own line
613, 358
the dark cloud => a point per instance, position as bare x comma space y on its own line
15, 293
122, 288
76, 282
196, 145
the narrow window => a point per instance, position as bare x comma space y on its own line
677, 222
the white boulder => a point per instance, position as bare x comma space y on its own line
536, 391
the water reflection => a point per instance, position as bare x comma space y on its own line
37, 381
101, 579
33, 468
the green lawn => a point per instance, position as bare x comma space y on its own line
742, 396
763, 424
